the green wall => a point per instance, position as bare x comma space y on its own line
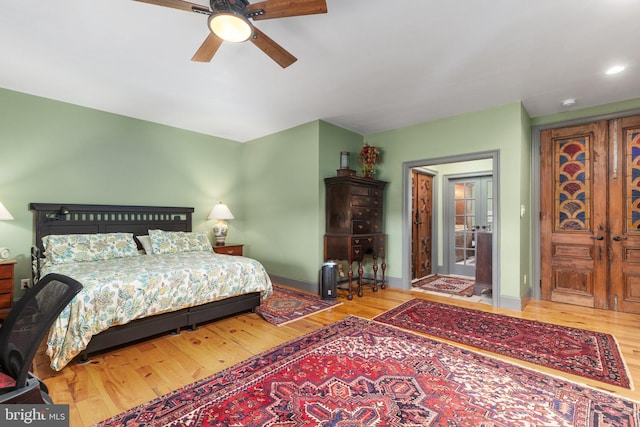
526, 238
280, 193
501, 128
283, 188
58, 152
617, 108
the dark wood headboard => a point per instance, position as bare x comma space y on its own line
59, 218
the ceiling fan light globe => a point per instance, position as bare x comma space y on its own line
231, 27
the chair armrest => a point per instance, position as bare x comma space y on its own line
29, 394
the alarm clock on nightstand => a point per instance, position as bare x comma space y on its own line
4, 253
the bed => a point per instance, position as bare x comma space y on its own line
129, 293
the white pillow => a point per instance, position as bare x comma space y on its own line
145, 241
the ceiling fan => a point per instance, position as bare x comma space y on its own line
230, 20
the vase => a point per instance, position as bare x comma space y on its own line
368, 170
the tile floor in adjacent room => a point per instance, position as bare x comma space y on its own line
484, 299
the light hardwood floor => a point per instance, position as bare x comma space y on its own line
121, 379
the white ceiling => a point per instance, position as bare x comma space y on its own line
367, 65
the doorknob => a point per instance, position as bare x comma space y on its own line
618, 238
599, 237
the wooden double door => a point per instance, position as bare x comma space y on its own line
590, 214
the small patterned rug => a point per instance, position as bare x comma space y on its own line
287, 305
576, 351
356, 372
445, 284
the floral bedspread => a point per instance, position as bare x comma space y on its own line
120, 290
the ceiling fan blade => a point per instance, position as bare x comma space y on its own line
178, 4
272, 49
207, 49
284, 8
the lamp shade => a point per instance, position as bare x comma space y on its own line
231, 27
4, 213
220, 211
344, 159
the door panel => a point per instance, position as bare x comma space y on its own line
573, 187
624, 215
470, 199
422, 224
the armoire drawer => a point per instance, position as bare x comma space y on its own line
365, 227
365, 212
372, 202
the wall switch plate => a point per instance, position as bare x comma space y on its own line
25, 283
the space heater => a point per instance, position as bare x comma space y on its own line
329, 280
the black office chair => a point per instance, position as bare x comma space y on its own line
22, 332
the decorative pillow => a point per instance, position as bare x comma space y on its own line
171, 242
63, 249
145, 241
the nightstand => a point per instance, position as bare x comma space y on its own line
228, 249
6, 286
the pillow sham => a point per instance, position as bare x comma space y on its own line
171, 242
64, 249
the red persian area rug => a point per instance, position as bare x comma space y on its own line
287, 305
357, 372
576, 351
445, 284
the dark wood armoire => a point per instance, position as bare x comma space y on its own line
354, 226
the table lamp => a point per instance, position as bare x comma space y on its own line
220, 212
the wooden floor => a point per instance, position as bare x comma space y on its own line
121, 379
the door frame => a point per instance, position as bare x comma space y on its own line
536, 291
407, 220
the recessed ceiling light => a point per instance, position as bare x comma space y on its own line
569, 102
615, 69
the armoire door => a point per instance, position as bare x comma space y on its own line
422, 215
590, 214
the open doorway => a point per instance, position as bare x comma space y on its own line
461, 206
